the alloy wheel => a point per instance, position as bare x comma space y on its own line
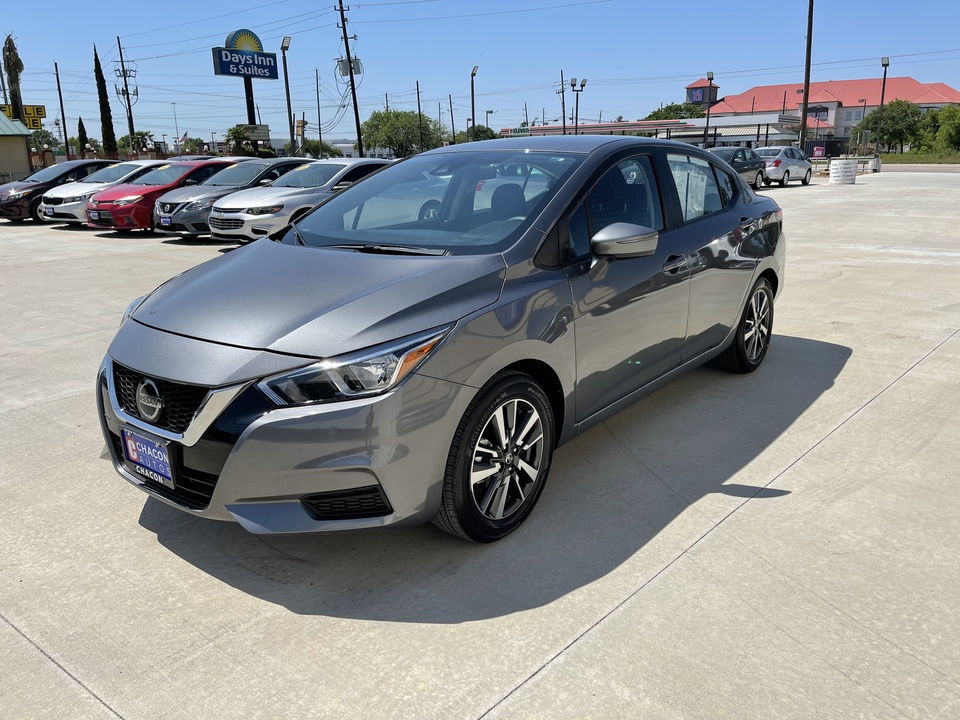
507, 459
756, 330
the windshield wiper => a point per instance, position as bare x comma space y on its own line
391, 249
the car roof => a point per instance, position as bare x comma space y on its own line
563, 144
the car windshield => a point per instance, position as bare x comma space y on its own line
462, 203
724, 153
164, 175
236, 175
48, 174
112, 173
768, 151
310, 175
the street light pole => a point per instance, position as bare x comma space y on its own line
885, 61
176, 127
486, 120
863, 116
576, 108
284, 46
706, 128
473, 105
806, 80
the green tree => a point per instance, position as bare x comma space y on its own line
948, 134
399, 132
39, 138
192, 146
482, 133
676, 111
141, 140
82, 138
106, 116
312, 149
238, 138
900, 122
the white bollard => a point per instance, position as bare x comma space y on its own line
843, 172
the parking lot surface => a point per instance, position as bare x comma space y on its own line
777, 545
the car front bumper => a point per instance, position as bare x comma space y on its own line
118, 217
241, 227
355, 464
18, 209
183, 222
75, 212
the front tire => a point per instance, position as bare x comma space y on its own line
35, 211
498, 461
750, 344
785, 179
758, 181
429, 211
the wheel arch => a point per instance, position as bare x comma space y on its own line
548, 379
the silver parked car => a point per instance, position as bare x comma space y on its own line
356, 371
252, 214
185, 211
68, 203
785, 164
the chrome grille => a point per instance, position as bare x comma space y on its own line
225, 223
180, 401
167, 208
47, 200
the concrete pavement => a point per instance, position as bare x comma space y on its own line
780, 545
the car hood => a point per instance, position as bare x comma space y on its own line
18, 186
264, 195
76, 188
195, 192
318, 302
115, 192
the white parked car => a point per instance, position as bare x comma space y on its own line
68, 203
255, 213
785, 164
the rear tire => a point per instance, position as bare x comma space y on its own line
498, 461
750, 344
785, 179
758, 182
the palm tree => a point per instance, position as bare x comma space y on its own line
237, 136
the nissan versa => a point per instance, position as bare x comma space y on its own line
350, 371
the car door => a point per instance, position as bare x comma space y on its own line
753, 164
719, 227
630, 314
738, 163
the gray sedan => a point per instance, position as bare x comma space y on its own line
372, 365
785, 164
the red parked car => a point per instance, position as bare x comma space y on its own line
130, 206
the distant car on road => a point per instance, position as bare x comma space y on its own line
746, 162
252, 214
785, 164
186, 211
21, 199
130, 206
68, 203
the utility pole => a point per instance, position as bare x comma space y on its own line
319, 119
386, 101
440, 119
353, 84
128, 101
806, 80
562, 92
526, 115
63, 115
419, 116
453, 129
3, 84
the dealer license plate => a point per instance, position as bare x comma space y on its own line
164, 220
150, 457
94, 215
48, 211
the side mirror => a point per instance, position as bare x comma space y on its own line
265, 182
624, 240
342, 185
190, 181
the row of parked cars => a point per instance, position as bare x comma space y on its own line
767, 165
239, 199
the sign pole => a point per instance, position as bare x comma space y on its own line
251, 109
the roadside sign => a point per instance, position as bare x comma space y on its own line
819, 152
260, 133
33, 115
515, 131
243, 56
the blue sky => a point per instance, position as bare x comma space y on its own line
635, 55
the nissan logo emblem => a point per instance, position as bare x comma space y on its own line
149, 402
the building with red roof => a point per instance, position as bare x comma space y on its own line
838, 105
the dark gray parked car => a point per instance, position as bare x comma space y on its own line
369, 366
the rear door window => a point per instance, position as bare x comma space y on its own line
696, 186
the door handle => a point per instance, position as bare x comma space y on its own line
674, 263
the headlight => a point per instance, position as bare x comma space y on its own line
14, 196
77, 198
369, 372
198, 205
127, 200
131, 307
264, 210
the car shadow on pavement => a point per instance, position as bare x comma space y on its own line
610, 492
